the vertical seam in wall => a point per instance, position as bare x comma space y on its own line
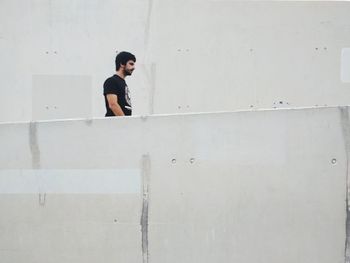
150, 75
153, 87
34, 146
145, 206
345, 122
148, 23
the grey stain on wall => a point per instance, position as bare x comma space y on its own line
33, 144
345, 121
145, 206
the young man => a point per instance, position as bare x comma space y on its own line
115, 90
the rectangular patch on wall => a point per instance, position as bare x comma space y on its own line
345, 65
75, 181
61, 97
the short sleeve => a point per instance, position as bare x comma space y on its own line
111, 87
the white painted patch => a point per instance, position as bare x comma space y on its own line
58, 96
345, 65
70, 181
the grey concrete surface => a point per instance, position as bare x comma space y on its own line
249, 186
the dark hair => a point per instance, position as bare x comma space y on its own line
122, 58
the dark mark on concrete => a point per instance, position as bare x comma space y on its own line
33, 144
345, 122
88, 122
145, 206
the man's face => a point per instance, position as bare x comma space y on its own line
129, 67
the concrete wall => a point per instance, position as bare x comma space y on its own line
253, 186
193, 56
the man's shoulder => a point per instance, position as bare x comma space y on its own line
114, 80
111, 79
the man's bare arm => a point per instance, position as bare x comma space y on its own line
114, 106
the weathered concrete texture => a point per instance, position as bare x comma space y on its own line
251, 186
192, 56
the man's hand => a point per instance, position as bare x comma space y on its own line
113, 105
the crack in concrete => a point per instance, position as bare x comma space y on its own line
145, 206
345, 122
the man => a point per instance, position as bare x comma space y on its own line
115, 90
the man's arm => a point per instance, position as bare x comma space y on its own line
113, 105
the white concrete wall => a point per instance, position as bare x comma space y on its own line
193, 56
259, 186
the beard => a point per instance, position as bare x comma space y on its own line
128, 72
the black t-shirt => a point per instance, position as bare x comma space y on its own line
116, 85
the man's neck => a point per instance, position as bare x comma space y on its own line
120, 74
